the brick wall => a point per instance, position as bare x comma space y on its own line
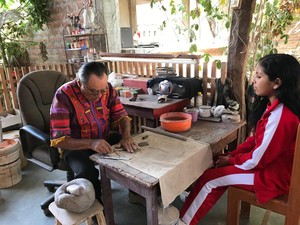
293, 45
52, 34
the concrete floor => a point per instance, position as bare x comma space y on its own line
20, 204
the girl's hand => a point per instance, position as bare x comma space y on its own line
216, 157
222, 161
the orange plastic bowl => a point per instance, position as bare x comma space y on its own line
176, 121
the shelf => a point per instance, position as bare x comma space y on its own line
76, 49
83, 43
82, 35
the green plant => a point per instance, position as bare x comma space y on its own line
186, 19
269, 24
270, 20
18, 19
16, 53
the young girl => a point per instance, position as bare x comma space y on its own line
263, 163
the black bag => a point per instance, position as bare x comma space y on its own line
182, 87
224, 95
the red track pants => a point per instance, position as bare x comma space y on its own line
209, 187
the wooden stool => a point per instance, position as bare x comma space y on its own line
64, 217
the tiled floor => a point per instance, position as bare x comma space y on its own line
21, 204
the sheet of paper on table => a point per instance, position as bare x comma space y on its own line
176, 163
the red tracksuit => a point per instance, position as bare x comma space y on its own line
263, 164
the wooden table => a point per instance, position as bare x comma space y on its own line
141, 183
147, 108
218, 135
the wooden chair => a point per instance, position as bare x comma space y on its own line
287, 205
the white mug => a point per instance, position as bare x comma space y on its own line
204, 111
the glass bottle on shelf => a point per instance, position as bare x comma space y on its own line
199, 99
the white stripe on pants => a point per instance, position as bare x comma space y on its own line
210, 187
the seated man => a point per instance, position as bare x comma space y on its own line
81, 115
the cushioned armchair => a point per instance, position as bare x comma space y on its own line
35, 93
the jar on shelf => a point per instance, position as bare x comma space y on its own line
199, 99
68, 45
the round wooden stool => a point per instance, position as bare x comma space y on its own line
64, 217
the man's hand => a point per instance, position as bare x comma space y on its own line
128, 143
101, 146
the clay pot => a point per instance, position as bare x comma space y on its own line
176, 121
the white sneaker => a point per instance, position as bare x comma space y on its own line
180, 222
183, 196
168, 216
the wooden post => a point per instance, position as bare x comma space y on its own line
238, 49
132, 15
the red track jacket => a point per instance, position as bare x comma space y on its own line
269, 152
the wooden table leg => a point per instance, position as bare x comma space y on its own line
151, 206
151, 123
233, 145
107, 198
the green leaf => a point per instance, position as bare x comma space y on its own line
285, 37
193, 48
227, 24
218, 64
182, 8
206, 57
199, 67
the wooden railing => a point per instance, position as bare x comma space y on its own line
9, 78
144, 65
141, 65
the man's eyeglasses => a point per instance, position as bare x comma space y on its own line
93, 92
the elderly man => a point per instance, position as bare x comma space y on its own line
82, 113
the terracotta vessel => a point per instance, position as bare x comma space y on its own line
176, 121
